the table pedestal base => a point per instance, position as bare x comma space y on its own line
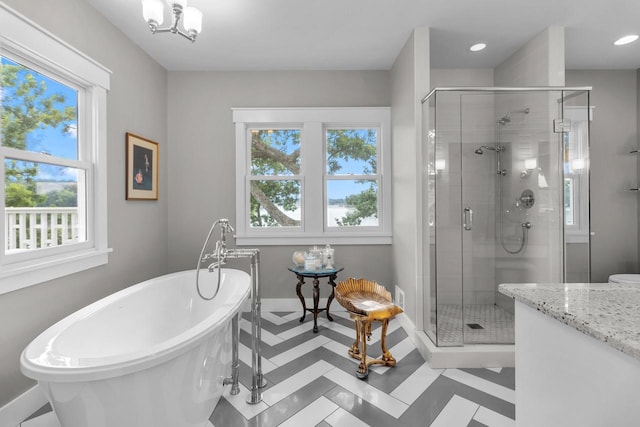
316, 299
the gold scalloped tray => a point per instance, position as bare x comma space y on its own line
366, 298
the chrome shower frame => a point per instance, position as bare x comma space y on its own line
440, 224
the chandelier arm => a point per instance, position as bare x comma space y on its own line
191, 37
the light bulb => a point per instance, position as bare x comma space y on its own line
153, 11
192, 20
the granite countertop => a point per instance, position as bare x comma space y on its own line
609, 312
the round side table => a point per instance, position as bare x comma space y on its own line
316, 275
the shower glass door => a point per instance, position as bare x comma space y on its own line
512, 183
506, 192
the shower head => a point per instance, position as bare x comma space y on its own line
507, 117
479, 151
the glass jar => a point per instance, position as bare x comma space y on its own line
298, 258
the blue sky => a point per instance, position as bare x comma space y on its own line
54, 141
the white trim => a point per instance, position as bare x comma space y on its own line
40, 43
333, 115
313, 122
282, 238
18, 276
23, 406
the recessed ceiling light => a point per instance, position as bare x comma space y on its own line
478, 46
626, 39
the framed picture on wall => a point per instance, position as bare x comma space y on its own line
142, 168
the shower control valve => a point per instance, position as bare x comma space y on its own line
526, 199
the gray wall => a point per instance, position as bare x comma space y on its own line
540, 62
613, 133
137, 230
410, 83
202, 160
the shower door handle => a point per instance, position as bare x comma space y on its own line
468, 214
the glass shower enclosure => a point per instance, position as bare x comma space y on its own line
505, 190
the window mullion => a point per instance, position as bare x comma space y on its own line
313, 170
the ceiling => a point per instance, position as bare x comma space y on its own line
368, 34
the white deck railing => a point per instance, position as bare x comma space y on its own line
41, 227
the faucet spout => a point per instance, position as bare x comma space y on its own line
215, 265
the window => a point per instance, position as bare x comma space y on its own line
53, 153
351, 177
576, 175
313, 176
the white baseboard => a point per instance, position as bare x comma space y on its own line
20, 408
294, 304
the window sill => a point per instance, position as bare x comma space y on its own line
296, 240
22, 275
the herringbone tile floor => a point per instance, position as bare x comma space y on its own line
311, 382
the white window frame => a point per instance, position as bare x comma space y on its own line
313, 177
31, 45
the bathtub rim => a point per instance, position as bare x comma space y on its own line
134, 362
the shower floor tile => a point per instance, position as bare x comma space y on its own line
314, 384
496, 324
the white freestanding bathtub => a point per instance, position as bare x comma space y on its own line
151, 355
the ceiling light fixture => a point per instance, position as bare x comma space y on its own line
626, 39
153, 13
477, 47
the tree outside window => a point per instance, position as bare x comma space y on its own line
39, 121
313, 175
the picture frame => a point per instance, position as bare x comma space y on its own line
142, 168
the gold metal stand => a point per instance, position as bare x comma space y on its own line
366, 302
